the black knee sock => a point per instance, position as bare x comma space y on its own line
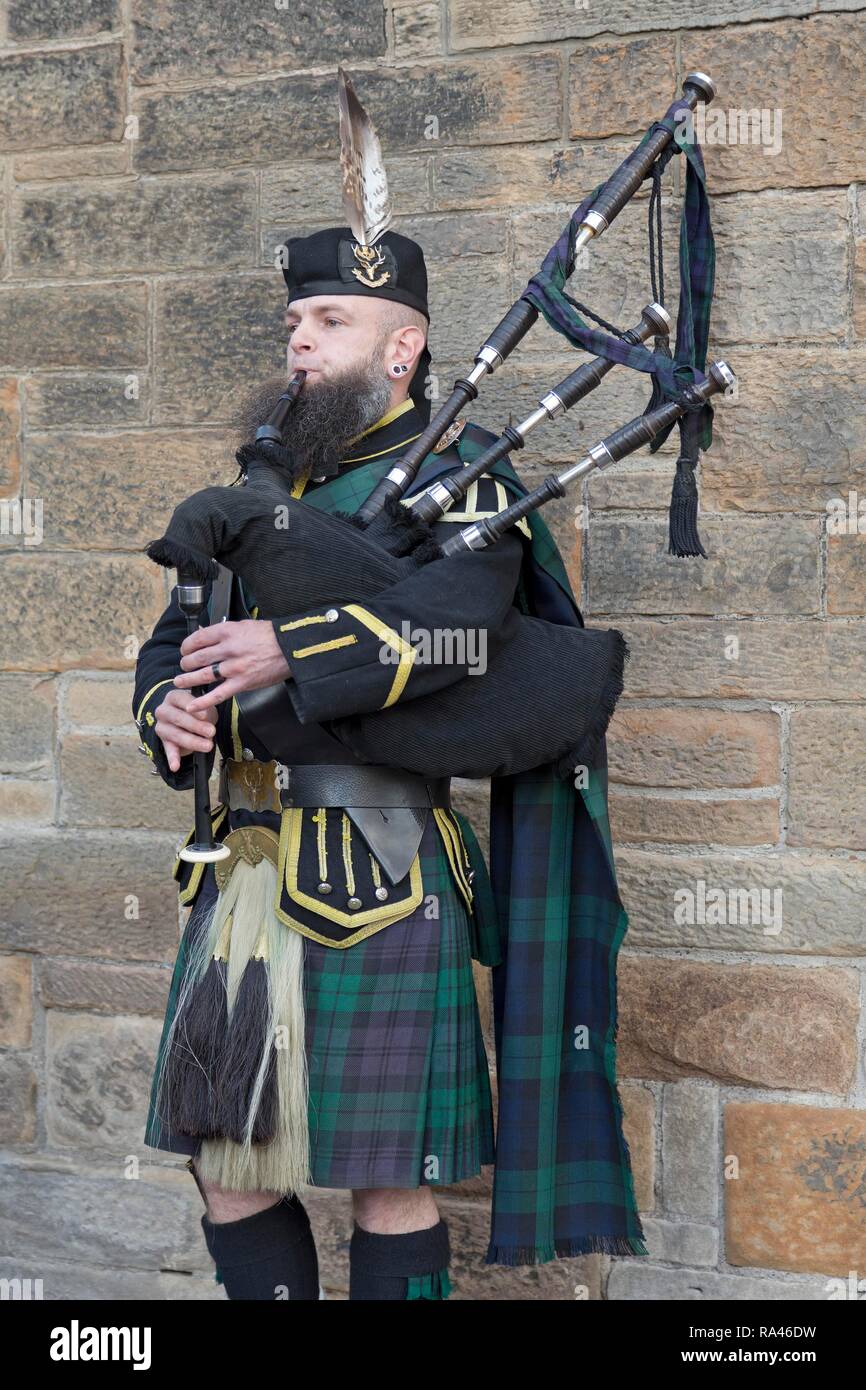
269, 1255
413, 1264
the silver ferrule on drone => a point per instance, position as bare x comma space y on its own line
596, 222
547, 409
487, 359
398, 475
440, 495
552, 405
592, 225
472, 537
190, 594
598, 457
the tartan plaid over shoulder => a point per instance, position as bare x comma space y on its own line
562, 1182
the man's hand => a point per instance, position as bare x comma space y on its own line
180, 731
249, 658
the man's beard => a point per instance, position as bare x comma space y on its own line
329, 413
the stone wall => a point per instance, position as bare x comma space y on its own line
152, 156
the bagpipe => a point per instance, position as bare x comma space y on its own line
293, 556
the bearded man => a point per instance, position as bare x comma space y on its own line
380, 881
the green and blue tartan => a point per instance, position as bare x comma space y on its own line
399, 1084
550, 922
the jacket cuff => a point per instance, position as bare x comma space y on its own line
151, 744
343, 660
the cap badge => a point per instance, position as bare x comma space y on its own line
370, 259
370, 266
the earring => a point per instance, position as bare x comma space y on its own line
399, 368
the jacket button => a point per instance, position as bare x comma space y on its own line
324, 887
332, 615
248, 755
382, 893
354, 904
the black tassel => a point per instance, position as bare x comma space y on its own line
195, 1059
247, 1039
683, 538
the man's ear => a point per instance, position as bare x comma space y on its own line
407, 344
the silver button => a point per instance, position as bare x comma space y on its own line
248, 755
354, 904
142, 749
382, 893
324, 887
332, 615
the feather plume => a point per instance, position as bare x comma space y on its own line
366, 203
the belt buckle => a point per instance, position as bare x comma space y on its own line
255, 785
286, 799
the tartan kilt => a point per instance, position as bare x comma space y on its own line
399, 1086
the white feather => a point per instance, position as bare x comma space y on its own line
366, 203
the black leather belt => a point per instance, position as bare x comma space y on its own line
365, 791
369, 784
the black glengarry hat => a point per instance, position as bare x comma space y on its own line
334, 262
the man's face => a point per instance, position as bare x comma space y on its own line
329, 334
345, 346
